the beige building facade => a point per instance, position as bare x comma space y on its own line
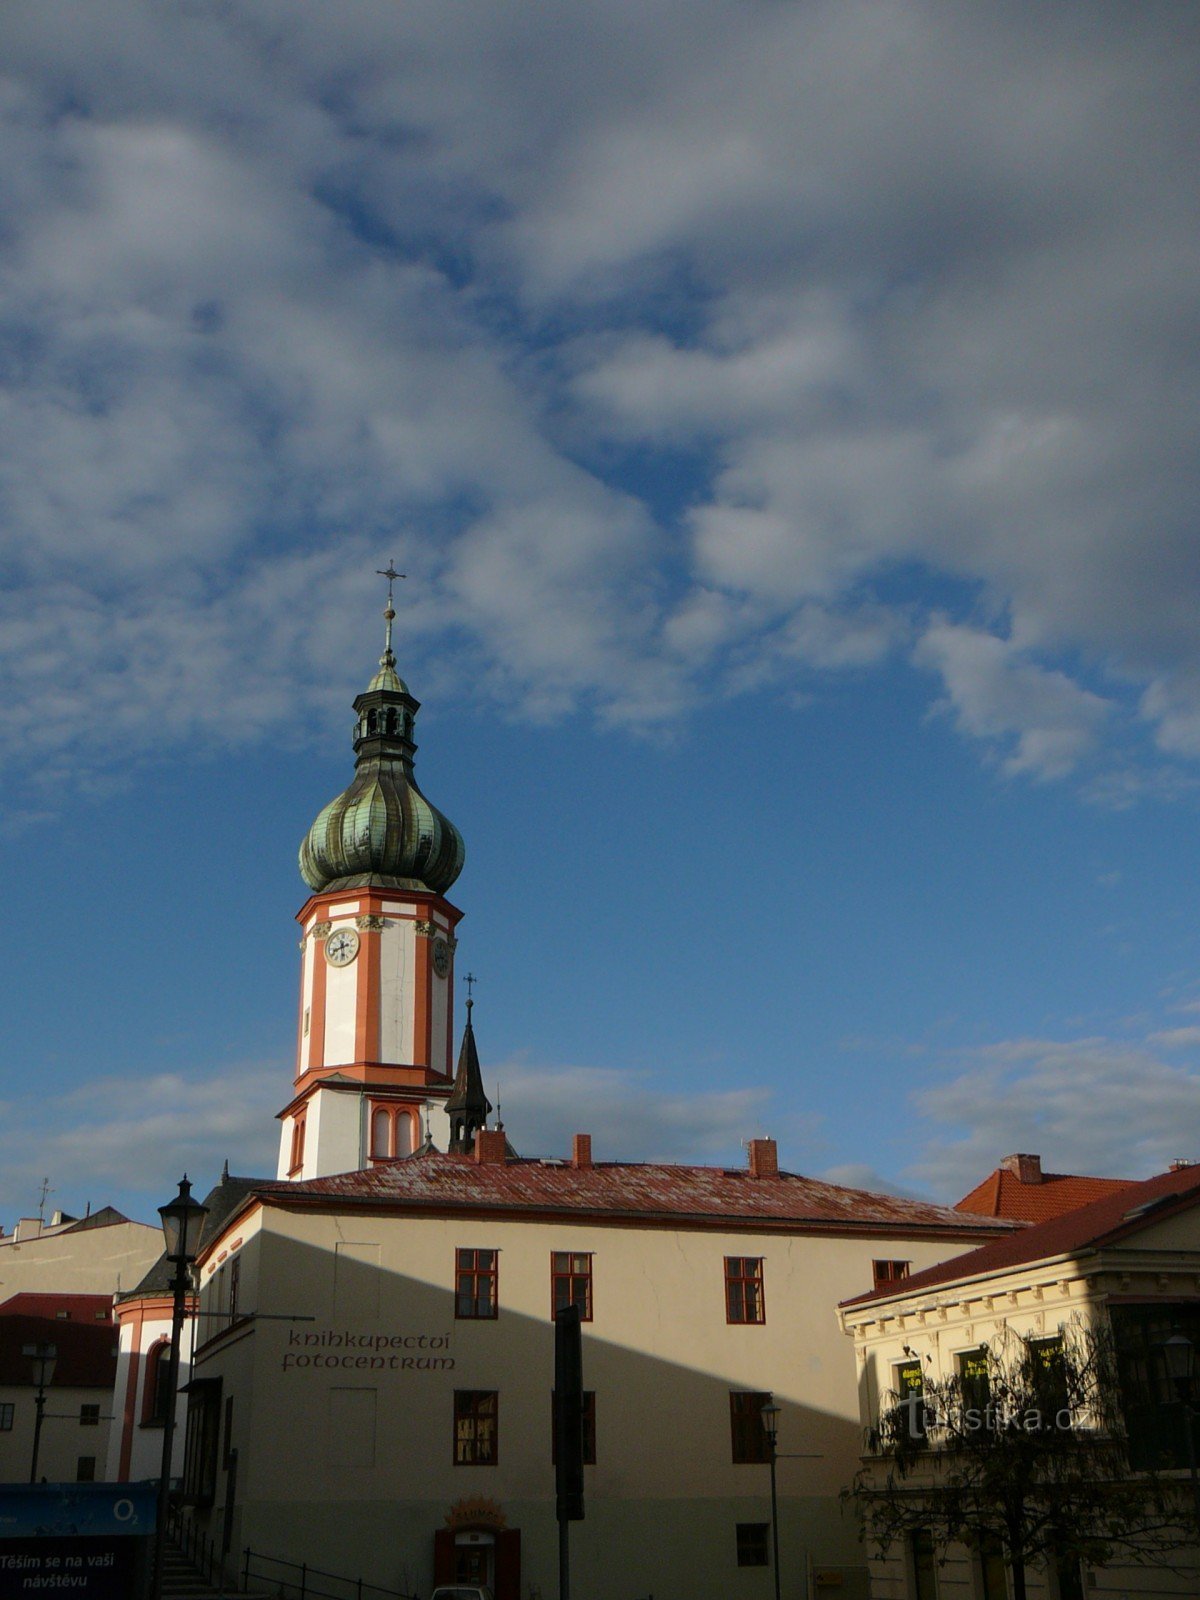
1127, 1266
381, 1362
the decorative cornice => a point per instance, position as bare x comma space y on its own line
370, 923
322, 930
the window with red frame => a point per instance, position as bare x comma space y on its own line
476, 1274
571, 1283
476, 1427
589, 1428
744, 1289
392, 1132
885, 1272
748, 1437
297, 1144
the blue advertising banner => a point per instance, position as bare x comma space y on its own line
73, 1510
99, 1569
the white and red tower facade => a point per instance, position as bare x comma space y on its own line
375, 1036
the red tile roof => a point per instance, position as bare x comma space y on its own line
1002, 1194
1135, 1206
87, 1353
432, 1181
64, 1307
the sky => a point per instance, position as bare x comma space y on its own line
785, 414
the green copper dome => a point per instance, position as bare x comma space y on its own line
382, 830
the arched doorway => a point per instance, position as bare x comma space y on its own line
478, 1547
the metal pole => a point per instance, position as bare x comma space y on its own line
40, 1411
774, 1521
564, 1563
179, 1288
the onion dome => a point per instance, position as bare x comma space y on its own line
382, 830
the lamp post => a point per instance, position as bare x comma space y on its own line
182, 1220
1179, 1358
770, 1422
43, 1357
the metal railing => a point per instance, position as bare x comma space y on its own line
304, 1585
200, 1549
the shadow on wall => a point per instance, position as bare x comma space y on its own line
346, 1432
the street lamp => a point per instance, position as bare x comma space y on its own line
1179, 1358
43, 1357
182, 1220
770, 1422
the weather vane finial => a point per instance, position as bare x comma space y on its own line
389, 660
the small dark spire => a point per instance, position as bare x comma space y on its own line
225, 1171
468, 1105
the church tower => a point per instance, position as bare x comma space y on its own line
374, 1053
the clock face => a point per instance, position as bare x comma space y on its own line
441, 957
341, 947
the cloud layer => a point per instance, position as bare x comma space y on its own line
899, 300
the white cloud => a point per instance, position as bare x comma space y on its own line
122, 1137
1104, 1106
996, 694
628, 1118
288, 293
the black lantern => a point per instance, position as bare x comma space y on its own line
770, 1422
181, 1224
1179, 1358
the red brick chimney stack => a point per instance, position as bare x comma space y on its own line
581, 1150
764, 1158
491, 1147
1026, 1169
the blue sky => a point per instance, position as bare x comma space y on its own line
786, 417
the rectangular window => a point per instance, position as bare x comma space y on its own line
476, 1274
910, 1392
993, 1576
235, 1283
89, 1416
589, 1428
744, 1289
571, 1283
924, 1568
1050, 1382
201, 1441
748, 1437
752, 1544
974, 1379
350, 1441
85, 1469
6, 1418
885, 1272
476, 1419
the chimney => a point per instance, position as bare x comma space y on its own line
581, 1150
491, 1147
28, 1228
1026, 1169
764, 1158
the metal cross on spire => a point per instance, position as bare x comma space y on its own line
470, 980
390, 613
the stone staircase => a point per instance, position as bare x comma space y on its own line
183, 1580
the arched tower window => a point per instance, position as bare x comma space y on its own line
391, 721
405, 1133
372, 721
381, 1131
156, 1395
